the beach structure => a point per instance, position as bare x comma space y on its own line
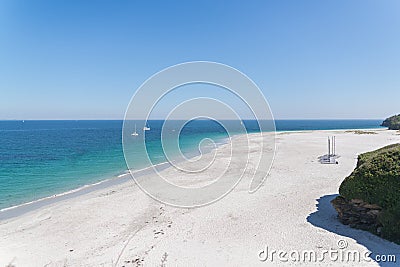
332, 146
331, 157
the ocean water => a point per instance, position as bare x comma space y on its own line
43, 158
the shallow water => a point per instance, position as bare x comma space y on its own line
43, 158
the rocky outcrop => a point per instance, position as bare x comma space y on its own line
393, 123
370, 197
358, 214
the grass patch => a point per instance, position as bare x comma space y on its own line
361, 132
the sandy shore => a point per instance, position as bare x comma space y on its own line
121, 226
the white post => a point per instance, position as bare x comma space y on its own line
329, 147
334, 148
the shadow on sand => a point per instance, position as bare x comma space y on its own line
326, 218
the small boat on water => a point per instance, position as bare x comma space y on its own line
135, 133
146, 128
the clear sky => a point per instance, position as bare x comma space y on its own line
312, 59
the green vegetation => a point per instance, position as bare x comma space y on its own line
393, 123
376, 180
360, 132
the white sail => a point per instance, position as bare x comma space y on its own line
135, 133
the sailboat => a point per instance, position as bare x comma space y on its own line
146, 128
135, 133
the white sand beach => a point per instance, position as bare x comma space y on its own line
122, 226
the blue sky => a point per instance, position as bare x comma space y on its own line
311, 59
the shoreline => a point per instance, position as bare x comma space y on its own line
23, 208
121, 225
18, 210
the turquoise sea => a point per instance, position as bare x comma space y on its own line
43, 158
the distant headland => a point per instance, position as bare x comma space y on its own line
393, 123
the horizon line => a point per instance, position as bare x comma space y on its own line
158, 119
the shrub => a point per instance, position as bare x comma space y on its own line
376, 180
